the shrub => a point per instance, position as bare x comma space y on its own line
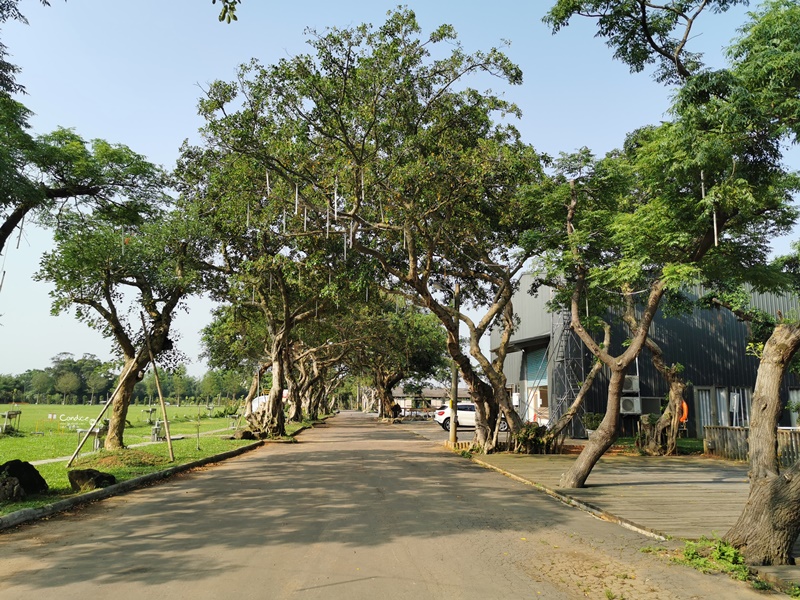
529, 439
230, 408
592, 420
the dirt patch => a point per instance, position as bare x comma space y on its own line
590, 570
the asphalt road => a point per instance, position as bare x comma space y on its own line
356, 509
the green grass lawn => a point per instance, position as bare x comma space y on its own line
685, 445
50, 431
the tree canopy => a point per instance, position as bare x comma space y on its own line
702, 194
371, 146
126, 277
643, 33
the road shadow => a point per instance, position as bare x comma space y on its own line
356, 483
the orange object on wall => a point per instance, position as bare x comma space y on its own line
684, 412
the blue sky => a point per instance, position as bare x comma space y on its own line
131, 72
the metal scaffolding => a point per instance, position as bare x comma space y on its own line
568, 371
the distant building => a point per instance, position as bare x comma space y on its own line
547, 364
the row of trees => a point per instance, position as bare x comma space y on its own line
88, 380
68, 380
696, 200
340, 200
363, 199
365, 172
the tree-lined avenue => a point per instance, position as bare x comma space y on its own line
357, 509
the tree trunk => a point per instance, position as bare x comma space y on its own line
769, 524
483, 394
387, 404
766, 406
252, 393
661, 437
606, 434
385, 383
14, 219
120, 403
677, 398
486, 410
295, 408
317, 396
295, 400
385, 398
296, 384
307, 402
499, 399
486, 415
368, 400
269, 418
601, 440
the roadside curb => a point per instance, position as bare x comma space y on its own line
579, 504
32, 514
782, 577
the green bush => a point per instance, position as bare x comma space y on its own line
231, 408
529, 439
592, 420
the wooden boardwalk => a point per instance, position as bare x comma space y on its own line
684, 497
677, 497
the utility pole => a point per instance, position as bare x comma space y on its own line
454, 367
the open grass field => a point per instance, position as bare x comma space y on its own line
50, 431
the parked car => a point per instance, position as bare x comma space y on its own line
466, 416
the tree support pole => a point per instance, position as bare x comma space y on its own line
158, 387
97, 420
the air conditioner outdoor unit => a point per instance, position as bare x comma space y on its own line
630, 406
631, 384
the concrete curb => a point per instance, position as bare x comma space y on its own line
782, 577
579, 504
32, 514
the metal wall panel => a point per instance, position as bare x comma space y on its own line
532, 311
710, 344
513, 368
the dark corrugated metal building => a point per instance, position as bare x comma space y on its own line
547, 363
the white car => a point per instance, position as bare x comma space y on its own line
466, 416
